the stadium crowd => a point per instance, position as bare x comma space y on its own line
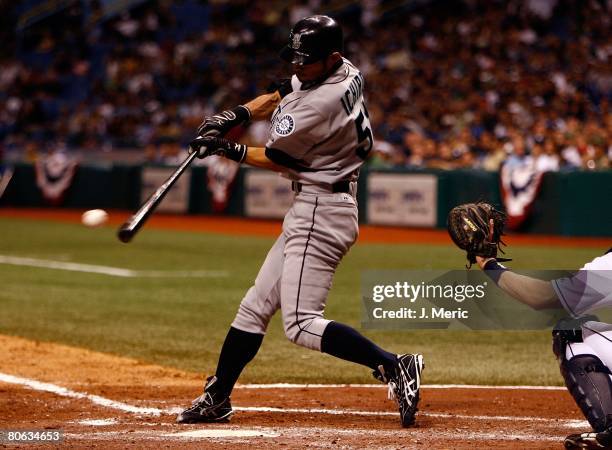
449, 83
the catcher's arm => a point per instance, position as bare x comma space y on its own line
533, 292
538, 294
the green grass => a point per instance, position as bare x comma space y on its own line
181, 322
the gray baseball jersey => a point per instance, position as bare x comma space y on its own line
322, 135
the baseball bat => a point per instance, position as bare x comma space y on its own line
127, 231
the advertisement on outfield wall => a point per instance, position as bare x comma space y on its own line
402, 199
177, 198
267, 195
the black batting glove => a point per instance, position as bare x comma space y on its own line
220, 124
211, 145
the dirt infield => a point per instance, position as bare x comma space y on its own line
105, 401
271, 228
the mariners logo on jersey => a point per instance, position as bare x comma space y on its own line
285, 125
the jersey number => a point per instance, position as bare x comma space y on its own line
365, 139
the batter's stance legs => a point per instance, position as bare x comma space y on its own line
239, 348
338, 340
344, 342
214, 405
402, 372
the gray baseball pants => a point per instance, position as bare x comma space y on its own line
297, 274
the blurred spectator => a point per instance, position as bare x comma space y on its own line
171, 152
383, 156
444, 158
462, 83
545, 156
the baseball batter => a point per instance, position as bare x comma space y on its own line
320, 136
583, 346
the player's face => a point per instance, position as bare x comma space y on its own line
314, 71
309, 72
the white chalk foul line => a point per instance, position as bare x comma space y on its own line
384, 386
342, 412
97, 422
410, 435
108, 270
101, 401
65, 392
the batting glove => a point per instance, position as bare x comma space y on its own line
210, 145
220, 124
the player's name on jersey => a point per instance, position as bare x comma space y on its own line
353, 93
420, 313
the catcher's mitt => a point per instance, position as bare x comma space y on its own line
477, 228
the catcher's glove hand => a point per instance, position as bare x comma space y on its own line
477, 228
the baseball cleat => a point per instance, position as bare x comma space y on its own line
208, 407
602, 440
404, 385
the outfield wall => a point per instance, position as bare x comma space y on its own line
569, 203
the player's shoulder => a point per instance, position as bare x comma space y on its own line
340, 80
328, 96
325, 99
600, 263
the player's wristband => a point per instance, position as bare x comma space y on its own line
243, 114
494, 269
236, 152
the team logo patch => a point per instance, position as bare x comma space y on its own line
296, 40
285, 125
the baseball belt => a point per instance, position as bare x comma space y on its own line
340, 186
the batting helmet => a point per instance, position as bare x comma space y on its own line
312, 39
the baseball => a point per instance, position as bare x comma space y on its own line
94, 217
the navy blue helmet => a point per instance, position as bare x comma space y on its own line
312, 39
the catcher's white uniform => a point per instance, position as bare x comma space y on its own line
587, 291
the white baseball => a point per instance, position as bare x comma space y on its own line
94, 217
